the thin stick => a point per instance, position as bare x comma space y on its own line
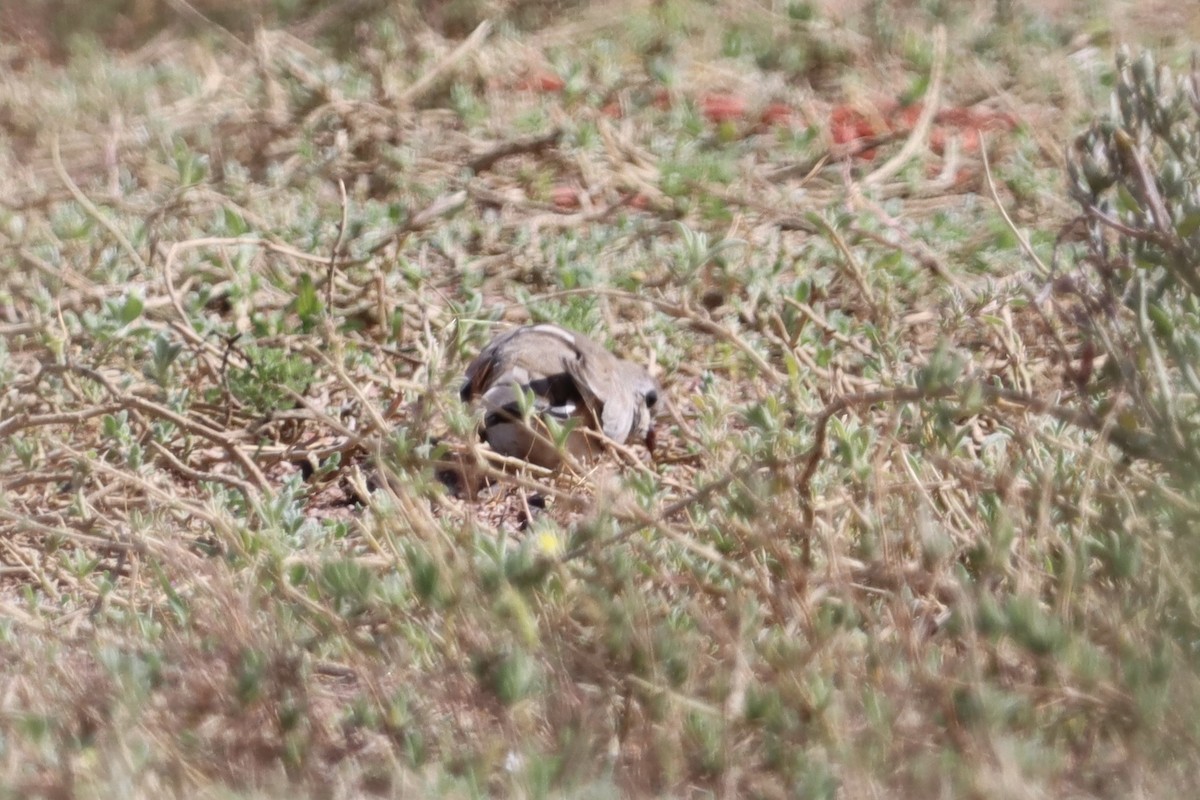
1024, 242
21, 421
426, 81
920, 131
90, 207
337, 246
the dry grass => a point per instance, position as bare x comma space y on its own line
884, 547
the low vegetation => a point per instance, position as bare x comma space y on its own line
921, 287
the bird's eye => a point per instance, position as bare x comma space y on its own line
651, 398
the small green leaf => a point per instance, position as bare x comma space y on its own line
131, 309
1162, 323
1126, 201
235, 224
307, 304
1188, 225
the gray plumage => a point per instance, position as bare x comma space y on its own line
562, 375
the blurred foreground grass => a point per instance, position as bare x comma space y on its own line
897, 540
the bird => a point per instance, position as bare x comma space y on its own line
533, 373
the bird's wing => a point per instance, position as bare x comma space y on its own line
533, 357
487, 365
600, 378
536, 356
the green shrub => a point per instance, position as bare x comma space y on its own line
1136, 176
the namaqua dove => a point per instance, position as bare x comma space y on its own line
544, 372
